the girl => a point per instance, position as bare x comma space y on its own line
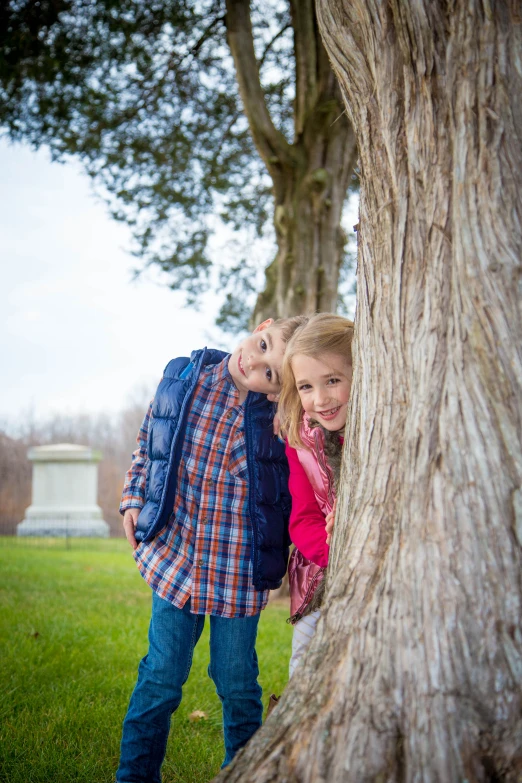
317, 378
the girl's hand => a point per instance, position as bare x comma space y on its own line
330, 519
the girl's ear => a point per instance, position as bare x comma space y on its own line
264, 325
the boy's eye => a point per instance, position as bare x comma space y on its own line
333, 380
268, 373
263, 345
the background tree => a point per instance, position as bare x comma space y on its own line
415, 673
146, 94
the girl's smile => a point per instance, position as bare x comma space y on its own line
331, 414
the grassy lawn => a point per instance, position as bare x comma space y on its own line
73, 627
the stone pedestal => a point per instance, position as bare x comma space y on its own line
65, 485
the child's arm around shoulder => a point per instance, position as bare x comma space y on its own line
307, 521
133, 495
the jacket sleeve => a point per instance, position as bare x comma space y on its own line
133, 495
307, 521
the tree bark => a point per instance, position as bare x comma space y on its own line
415, 673
310, 175
304, 276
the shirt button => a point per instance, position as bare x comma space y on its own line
204, 521
201, 562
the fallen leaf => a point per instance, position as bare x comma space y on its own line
197, 715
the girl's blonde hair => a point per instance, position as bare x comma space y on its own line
322, 334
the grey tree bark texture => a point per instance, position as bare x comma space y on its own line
310, 174
415, 673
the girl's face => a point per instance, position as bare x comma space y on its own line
324, 388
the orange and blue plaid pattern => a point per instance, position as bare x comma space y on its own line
204, 551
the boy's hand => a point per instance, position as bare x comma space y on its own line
330, 519
130, 520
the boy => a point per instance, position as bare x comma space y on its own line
207, 498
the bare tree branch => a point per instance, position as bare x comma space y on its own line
269, 45
204, 36
307, 41
270, 143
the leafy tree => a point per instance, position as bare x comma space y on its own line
183, 109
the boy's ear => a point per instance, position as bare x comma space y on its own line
264, 325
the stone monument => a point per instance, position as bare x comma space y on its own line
65, 483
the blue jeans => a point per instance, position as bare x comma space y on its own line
173, 634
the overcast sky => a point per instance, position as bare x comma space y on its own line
77, 333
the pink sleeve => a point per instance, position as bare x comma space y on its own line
307, 522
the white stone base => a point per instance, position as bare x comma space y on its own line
64, 493
64, 528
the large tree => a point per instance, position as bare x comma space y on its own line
184, 109
415, 673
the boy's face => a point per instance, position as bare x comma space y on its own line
255, 365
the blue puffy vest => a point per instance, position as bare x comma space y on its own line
269, 499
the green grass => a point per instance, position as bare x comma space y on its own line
73, 627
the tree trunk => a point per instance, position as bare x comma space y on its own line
310, 175
415, 673
304, 276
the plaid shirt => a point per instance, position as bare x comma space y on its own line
203, 553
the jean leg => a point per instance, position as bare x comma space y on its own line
173, 634
234, 670
304, 630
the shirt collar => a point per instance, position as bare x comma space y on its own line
216, 373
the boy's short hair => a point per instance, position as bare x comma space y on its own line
288, 326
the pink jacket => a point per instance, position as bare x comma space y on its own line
311, 485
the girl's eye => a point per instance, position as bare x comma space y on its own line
304, 387
333, 380
268, 373
263, 345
